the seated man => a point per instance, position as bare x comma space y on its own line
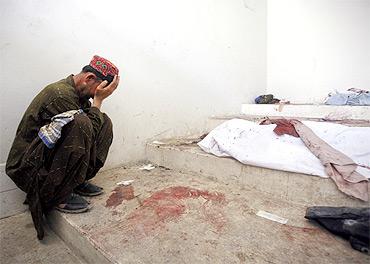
62, 141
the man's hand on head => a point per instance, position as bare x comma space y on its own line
104, 90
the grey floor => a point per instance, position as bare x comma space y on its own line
19, 244
185, 218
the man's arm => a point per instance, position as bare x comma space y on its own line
63, 103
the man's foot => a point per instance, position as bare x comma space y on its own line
88, 189
73, 204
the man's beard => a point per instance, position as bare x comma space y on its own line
84, 94
85, 97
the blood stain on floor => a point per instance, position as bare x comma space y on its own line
120, 194
169, 205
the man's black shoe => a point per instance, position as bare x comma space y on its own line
73, 204
88, 189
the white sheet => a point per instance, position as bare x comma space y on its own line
258, 145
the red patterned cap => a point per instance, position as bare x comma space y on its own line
103, 66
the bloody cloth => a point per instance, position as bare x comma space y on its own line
283, 126
339, 167
48, 176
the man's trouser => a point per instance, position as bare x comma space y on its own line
48, 176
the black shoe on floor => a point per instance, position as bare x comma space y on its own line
88, 189
73, 204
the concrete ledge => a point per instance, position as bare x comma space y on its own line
293, 187
75, 239
308, 111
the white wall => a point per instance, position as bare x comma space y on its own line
181, 61
317, 46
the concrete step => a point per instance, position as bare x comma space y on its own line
308, 111
188, 218
19, 244
292, 187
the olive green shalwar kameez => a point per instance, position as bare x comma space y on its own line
48, 176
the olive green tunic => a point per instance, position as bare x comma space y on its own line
48, 176
54, 99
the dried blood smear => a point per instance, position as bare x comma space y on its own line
168, 204
119, 194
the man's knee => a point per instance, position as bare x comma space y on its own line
82, 123
103, 141
107, 126
107, 121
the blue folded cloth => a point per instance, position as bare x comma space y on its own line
348, 98
50, 133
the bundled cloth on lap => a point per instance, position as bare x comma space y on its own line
50, 133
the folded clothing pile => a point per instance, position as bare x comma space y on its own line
352, 96
266, 99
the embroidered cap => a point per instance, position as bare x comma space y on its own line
103, 68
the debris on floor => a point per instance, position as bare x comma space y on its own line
125, 183
350, 223
163, 167
147, 167
272, 217
158, 142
